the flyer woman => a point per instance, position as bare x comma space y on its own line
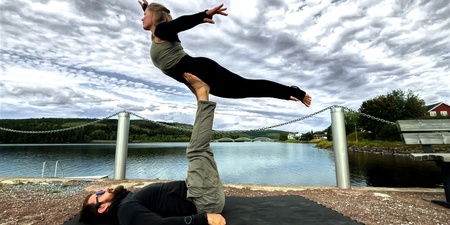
168, 55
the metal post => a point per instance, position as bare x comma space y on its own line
340, 148
56, 168
445, 171
122, 145
43, 169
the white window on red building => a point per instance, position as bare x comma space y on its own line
433, 113
443, 113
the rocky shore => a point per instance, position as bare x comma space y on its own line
395, 150
54, 201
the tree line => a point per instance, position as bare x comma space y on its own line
105, 130
395, 105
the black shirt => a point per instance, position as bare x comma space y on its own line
156, 204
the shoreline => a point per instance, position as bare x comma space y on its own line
249, 186
56, 200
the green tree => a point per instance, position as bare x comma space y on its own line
98, 135
396, 105
351, 121
283, 136
307, 136
329, 132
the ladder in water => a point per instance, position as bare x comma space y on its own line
45, 166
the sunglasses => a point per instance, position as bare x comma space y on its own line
97, 203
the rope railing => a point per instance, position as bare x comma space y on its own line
337, 121
58, 130
189, 130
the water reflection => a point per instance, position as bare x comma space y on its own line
274, 163
393, 171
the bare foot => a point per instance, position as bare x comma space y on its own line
197, 86
306, 100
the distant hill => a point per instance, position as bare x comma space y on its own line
105, 130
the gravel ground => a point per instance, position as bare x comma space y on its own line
54, 201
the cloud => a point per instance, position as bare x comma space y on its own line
91, 59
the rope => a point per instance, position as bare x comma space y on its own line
58, 130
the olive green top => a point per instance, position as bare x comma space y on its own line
166, 55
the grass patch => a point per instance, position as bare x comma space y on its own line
18, 182
324, 144
364, 144
376, 144
367, 144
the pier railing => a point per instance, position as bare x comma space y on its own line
339, 142
338, 129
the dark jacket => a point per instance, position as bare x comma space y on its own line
155, 204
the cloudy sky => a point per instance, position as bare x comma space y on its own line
90, 59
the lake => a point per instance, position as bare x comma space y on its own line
269, 163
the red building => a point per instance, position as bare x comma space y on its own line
438, 109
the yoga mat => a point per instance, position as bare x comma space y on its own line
274, 210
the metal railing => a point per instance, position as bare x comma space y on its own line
45, 166
338, 127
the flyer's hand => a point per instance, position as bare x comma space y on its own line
143, 4
220, 10
307, 100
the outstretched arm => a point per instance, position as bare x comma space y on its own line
132, 213
169, 30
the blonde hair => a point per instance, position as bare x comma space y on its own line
160, 13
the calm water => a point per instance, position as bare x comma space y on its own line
256, 163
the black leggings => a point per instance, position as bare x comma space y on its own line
226, 84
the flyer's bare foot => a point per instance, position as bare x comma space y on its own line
197, 86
